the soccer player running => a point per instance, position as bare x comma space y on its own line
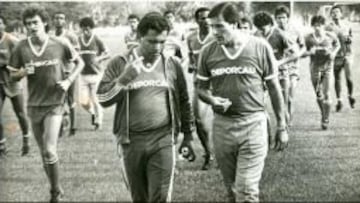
280, 45
202, 111
343, 59
11, 89
131, 38
236, 66
152, 101
282, 15
93, 52
322, 47
61, 31
42, 59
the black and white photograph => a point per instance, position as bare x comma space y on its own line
179, 101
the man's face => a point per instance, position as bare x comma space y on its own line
282, 20
318, 27
87, 31
336, 13
59, 20
35, 26
245, 27
202, 20
2, 26
170, 18
153, 42
133, 22
222, 30
265, 30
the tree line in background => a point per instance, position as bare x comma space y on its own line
115, 13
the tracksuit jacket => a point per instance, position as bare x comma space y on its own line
110, 92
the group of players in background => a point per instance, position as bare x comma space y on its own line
232, 67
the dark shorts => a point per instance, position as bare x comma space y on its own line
37, 114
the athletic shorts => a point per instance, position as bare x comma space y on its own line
37, 114
13, 89
341, 62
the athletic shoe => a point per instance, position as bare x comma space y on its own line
207, 163
352, 102
25, 147
56, 195
72, 132
339, 106
325, 124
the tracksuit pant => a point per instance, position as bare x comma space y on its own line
241, 146
149, 161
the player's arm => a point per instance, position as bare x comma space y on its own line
203, 87
104, 53
16, 64
309, 48
336, 46
73, 59
276, 97
186, 113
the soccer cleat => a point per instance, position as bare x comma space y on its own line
352, 102
56, 195
339, 106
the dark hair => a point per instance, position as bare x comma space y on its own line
318, 19
245, 20
227, 11
168, 12
152, 21
133, 16
282, 9
87, 22
262, 18
37, 11
3, 19
335, 7
199, 10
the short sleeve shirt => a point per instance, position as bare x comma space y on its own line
89, 50
327, 42
195, 44
278, 41
240, 77
49, 65
296, 39
343, 32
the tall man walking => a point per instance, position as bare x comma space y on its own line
236, 66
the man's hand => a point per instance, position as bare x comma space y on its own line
281, 139
132, 70
17, 74
221, 104
64, 84
187, 150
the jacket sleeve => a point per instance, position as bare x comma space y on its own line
109, 90
186, 113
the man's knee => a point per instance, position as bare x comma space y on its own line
50, 155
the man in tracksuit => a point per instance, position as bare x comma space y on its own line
152, 102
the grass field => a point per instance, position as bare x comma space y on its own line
318, 165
